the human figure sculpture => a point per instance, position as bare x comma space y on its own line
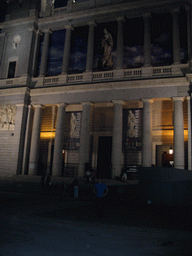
131, 124
107, 44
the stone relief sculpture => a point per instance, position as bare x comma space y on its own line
107, 44
73, 122
7, 117
16, 40
131, 124
47, 6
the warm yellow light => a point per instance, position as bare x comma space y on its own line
171, 151
47, 135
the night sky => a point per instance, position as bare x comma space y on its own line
3, 9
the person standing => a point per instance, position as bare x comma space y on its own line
75, 188
100, 190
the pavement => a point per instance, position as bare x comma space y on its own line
38, 221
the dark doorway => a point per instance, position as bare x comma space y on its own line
167, 160
104, 157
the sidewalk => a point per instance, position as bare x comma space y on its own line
28, 183
60, 180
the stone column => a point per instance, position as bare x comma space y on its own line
36, 52
117, 138
90, 47
45, 51
35, 141
189, 133
66, 54
84, 138
58, 145
120, 42
19, 138
147, 40
176, 37
178, 132
147, 133
28, 139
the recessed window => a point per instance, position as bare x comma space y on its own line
11, 71
60, 3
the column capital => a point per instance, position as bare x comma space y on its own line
120, 102
69, 26
120, 18
39, 32
86, 103
92, 22
147, 100
47, 30
21, 105
61, 105
178, 98
38, 106
147, 15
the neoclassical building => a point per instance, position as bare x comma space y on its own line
100, 83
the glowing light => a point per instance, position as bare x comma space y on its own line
47, 135
171, 151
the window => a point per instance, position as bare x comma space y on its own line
11, 71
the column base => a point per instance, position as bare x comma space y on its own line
81, 170
116, 170
63, 78
118, 73
181, 167
176, 69
147, 71
87, 76
32, 169
24, 80
57, 169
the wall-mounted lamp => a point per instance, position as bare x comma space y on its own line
170, 150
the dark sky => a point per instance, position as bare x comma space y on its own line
3, 9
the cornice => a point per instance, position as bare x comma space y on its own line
27, 22
105, 13
151, 83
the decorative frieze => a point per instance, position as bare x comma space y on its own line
7, 117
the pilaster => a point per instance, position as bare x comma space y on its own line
117, 138
176, 37
66, 54
189, 133
147, 133
35, 141
84, 138
44, 57
147, 39
58, 144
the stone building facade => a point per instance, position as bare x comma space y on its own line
116, 95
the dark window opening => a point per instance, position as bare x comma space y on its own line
60, 3
11, 71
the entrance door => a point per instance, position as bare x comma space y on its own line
104, 157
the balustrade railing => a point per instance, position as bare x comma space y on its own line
162, 70
51, 80
102, 75
75, 78
133, 72
95, 76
